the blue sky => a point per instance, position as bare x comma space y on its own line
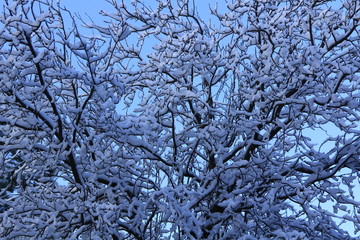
92, 7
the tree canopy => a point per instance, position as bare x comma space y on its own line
159, 124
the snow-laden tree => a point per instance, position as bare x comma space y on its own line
158, 124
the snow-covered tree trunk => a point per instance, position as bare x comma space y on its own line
203, 135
